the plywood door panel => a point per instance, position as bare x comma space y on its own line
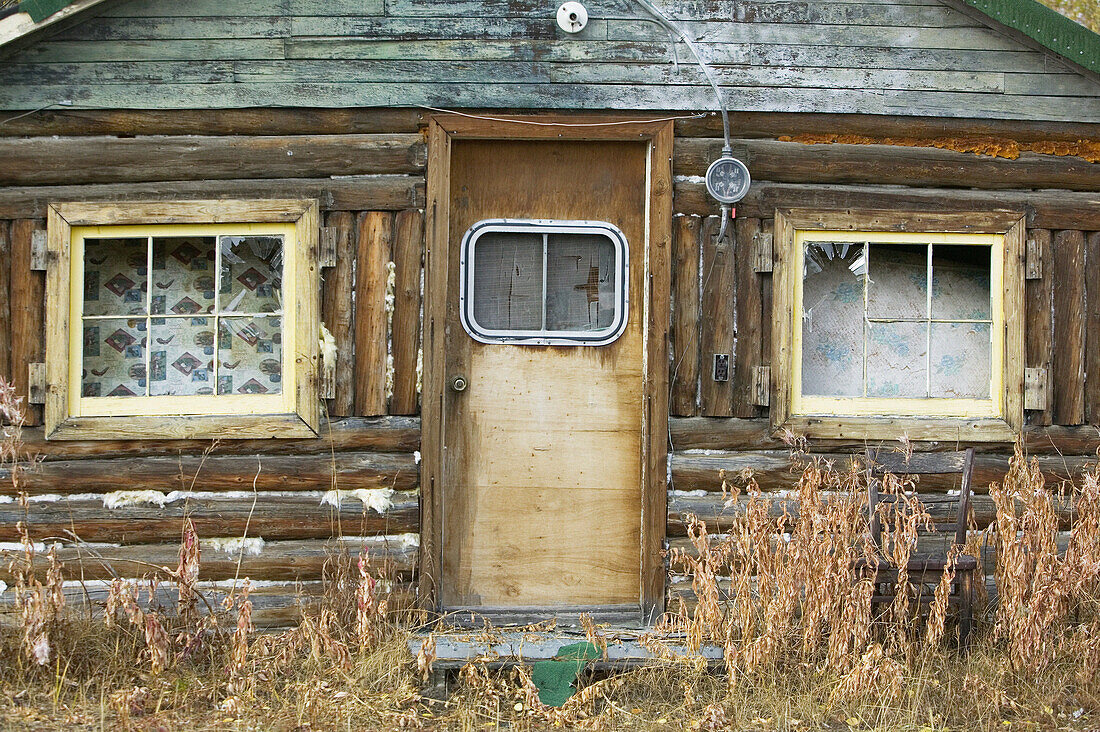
543, 469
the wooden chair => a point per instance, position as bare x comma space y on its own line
926, 564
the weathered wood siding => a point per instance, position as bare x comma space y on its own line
371, 200
911, 57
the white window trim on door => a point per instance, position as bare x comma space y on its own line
544, 337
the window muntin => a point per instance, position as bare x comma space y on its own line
872, 337
203, 335
544, 282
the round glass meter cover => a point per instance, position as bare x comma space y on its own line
728, 180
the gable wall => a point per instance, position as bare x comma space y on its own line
910, 57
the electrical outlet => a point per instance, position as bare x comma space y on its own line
721, 367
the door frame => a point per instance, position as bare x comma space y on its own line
444, 128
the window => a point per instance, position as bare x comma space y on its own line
202, 327
544, 282
899, 331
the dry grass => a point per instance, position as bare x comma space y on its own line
782, 595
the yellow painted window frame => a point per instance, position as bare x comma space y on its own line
295, 412
911, 407
998, 418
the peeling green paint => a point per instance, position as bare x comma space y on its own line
1053, 30
41, 9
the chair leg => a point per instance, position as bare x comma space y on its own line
966, 607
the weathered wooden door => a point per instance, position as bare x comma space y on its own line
544, 446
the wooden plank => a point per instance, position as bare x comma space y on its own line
1014, 296
5, 299
143, 213
792, 33
408, 255
318, 121
1068, 337
748, 56
774, 470
354, 434
36, 383
267, 515
229, 27
337, 311
685, 316
748, 318
717, 328
374, 247
301, 560
684, 97
775, 124
277, 121
356, 193
307, 304
782, 320
350, 470
836, 163
585, 72
702, 433
28, 294
1092, 328
239, 8
766, 314
1046, 209
274, 606
34, 161
719, 517
761, 385
654, 501
1033, 266
1035, 389
436, 265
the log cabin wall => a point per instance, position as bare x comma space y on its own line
367, 169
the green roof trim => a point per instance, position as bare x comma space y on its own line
1067, 38
41, 9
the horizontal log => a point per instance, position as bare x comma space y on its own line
926, 544
774, 124
274, 516
346, 470
1044, 209
275, 605
711, 508
793, 162
392, 557
356, 193
680, 594
773, 469
710, 433
305, 121
35, 161
283, 121
365, 434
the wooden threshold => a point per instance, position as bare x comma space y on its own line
516, 647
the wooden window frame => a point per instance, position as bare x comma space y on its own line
963, 424
299, 413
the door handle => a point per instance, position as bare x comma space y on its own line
459, 383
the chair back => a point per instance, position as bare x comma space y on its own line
883, 460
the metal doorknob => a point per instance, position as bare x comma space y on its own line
458, 383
